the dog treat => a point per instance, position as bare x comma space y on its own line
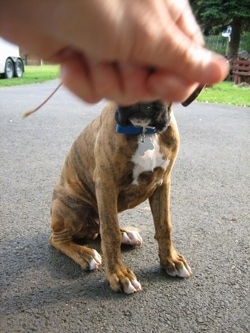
28, 113
193, 96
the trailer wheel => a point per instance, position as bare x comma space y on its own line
18, 71
9, 69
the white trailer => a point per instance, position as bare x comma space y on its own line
11, 64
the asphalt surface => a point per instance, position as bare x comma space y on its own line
44, 291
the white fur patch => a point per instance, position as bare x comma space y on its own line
131, 238
96, 261
147, 157
184, 272
133, 286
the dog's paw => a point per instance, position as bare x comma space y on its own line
88, 259
95, 261
131, 237
124, 280
133, 286
183, 272
176, 265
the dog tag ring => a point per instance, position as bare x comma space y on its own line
143, 134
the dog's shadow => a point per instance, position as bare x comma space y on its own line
48, 276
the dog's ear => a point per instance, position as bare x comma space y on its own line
193, 96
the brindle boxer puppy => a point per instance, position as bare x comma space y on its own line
107, 172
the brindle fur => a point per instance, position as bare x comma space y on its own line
96, 184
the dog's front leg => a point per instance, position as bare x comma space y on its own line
119, 276
174, 263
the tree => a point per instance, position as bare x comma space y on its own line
215, 15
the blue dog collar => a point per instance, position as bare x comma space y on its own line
133, 130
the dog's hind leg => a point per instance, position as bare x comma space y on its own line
62, 236
87, 258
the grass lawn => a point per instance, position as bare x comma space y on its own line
33, 74
222, 93
226, 93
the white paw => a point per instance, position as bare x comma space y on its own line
132, 287
184, 272
131, 238
95, 262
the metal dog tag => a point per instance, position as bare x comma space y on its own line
145, 145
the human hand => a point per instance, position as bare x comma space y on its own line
121, 50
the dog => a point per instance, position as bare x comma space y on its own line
122, 158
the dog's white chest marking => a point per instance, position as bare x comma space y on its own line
147, 157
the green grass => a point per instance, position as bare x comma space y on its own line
226, 93
33, 74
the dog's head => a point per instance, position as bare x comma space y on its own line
154, 114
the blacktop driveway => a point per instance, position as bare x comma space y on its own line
44, 291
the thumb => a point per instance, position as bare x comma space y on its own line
175, 44
181, 56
